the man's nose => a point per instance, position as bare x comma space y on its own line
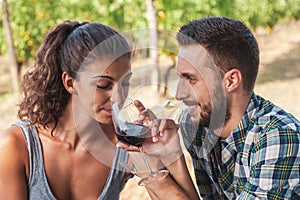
181, 90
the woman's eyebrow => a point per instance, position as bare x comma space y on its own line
101, 76
111, 78
128, 74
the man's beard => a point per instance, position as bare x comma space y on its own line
214, 119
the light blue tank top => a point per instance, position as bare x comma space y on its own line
38, 185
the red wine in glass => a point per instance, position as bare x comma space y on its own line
134, 134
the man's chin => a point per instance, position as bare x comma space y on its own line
194, 111
199, 121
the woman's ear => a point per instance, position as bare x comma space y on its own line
68, 82
232, 80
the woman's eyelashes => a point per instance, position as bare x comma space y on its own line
109, 85
104, 86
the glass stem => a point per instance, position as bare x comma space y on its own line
146, 160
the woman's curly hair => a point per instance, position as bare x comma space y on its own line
64, 49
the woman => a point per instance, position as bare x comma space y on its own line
55, 150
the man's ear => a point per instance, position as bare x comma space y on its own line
232, 80
68, 82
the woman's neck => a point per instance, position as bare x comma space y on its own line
76, 129
64, 131
110, 133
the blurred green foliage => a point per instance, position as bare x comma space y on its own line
31, 19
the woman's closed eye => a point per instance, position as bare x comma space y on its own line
104, 86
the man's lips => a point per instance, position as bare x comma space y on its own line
191, 103
193, 108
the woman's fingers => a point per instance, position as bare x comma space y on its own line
148, 118
145, 114
139, 105
162, 127
155, 130
167, 124
157, 126
127, 147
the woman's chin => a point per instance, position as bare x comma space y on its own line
106, 121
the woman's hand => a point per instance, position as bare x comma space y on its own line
164, 141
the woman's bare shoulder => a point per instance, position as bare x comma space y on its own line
12, 142
14, 164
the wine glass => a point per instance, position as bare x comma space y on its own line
167, 110
130, 131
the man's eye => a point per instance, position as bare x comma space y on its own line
104, 87
191, 79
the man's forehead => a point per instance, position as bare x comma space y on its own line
192, 52
194, 55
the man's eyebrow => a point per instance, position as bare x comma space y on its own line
186, 74
101, 76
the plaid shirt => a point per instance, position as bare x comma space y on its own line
259, 160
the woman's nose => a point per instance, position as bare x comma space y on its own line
118, 94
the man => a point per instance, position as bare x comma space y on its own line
242, 146
245, 147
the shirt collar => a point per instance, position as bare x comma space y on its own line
237, 138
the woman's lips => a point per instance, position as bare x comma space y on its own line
107, 110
